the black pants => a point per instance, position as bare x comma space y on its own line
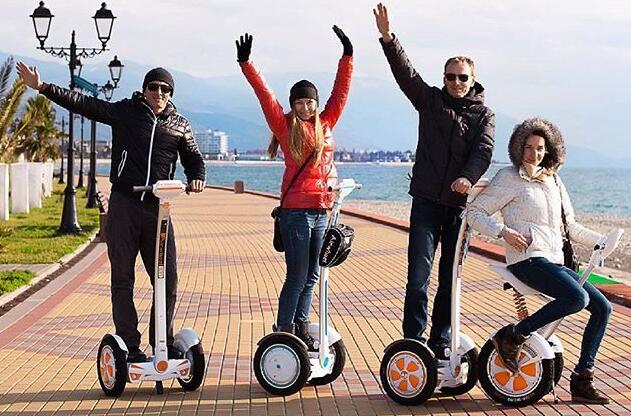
131, 227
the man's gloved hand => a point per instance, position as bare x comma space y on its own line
244, 48
348, 46
196, 186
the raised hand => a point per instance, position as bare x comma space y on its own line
383, 23
244, 48
29, 76
346, 43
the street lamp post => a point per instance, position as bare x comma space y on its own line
107, 90
104, 21
63, 133
80, 182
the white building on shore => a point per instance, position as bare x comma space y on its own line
213, 144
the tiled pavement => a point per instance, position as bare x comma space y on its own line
229, 279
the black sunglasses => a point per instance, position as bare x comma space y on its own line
461, 77
155, 87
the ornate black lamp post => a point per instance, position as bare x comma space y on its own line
108, 91
104, 21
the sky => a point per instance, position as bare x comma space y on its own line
564, 60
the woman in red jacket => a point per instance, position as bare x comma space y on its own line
304, 136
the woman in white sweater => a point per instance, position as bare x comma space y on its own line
529, 195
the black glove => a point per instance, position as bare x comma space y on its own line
244, 48
348, 46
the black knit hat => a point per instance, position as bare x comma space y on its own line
159, 74
303, 89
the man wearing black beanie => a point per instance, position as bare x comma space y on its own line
148, 135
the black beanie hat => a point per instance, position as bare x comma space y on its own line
303, 89
159, 74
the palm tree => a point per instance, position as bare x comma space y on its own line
36, 132
9, 104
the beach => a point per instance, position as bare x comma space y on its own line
618, 265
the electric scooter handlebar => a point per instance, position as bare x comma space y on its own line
149, 188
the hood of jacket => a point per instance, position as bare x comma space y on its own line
555, 145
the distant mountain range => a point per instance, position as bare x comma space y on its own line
377, 116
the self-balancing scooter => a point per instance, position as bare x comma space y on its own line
282, 363
541, 357
113, 369
409, 371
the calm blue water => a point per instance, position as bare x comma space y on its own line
592, 190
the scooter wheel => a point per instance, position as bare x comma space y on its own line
408, 372
532, 382
195, 355
338, 351
281, 364
471, 358
111, 366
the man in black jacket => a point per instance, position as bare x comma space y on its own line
455, 145
147, 136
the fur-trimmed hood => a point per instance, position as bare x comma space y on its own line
555, 146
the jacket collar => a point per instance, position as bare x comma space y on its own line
138, 98
475, 96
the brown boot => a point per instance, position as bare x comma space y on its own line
583, 390
508, 345
302, 332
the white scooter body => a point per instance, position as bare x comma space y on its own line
161, 367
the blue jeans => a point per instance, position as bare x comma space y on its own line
303, 234
430, 223
561, 284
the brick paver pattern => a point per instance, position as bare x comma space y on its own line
229, 280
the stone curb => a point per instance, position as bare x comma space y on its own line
52, 268
618, 293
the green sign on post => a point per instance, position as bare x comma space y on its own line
85, 85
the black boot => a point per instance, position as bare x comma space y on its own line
508, 345
583, 390
302, 332
289, 328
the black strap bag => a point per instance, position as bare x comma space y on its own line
569, 257
337, 245
278, 238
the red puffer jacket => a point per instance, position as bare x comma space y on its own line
310, 189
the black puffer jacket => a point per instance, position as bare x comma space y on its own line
138, 136
455, 135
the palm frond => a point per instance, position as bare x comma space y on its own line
5, 73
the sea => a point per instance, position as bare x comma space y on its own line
601, 190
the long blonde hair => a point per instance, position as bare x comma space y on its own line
298, 139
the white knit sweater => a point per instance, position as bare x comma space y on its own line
531, 207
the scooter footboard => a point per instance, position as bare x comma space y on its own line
314, 331
466, 344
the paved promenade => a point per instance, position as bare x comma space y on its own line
229, 280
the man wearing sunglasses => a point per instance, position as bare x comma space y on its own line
455, 145
148, 135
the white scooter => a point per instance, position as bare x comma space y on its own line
113, 369
282, 363
409, 370
541, 357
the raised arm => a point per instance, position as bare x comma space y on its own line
90, 107
272, 109
339, 95
404, 73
